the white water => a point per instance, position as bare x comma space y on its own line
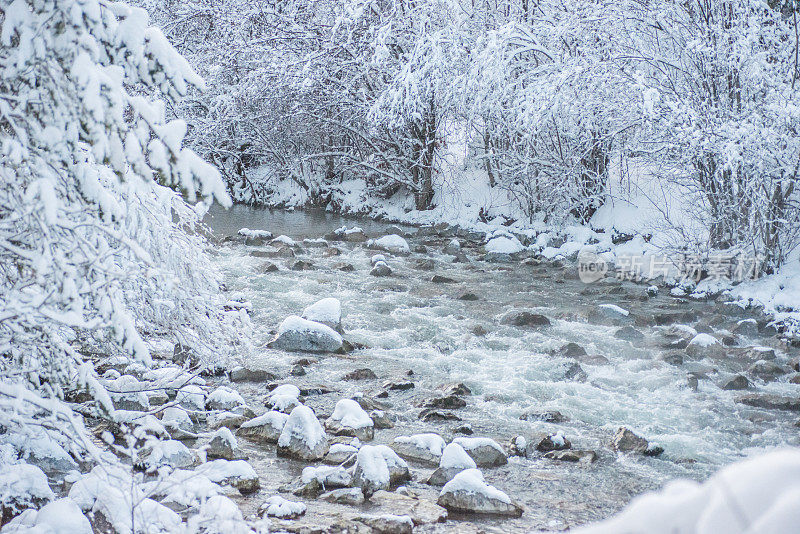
409, 323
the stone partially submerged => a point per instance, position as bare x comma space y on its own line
296, 334
377, 468
468, 492
454, 460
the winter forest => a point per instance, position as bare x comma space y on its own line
399, 266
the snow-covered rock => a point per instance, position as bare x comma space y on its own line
485, 451
169, 452
277, 506
178, 423
238, 474
377, 468
225, 399
454, 460
264, 428
38, 447
426, 448
223, 445
503, 244
284, 398
349, 419
704, 345
191, 397
327, 311
469, 492
62, 516
754, 496
300, 335
23, 486
218, 514
326, 477
390, 243
381, 268
302, 436
376, 258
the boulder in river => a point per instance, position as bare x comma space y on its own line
387, 523
327, 311
736, 382
468, 492
390, 243
301, 335
454, 460
704, 346
264, 428
349, 419
572, 455
626, 440
223, 445
770, 401
485, 451
303, 437
381, 268
360, 374
425, 448
377, 468
524, 318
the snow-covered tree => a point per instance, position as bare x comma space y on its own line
718, 79
96, 247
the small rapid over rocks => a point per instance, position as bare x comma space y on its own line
416, 366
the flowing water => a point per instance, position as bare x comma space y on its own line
407, 323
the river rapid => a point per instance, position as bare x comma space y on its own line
408, 327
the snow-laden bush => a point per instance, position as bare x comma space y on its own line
96, 248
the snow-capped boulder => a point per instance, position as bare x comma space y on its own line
232, 420
426, 448
284, 398
300, 335
62, 516
264, 428
453, 247
238, 474
378, 467
325, 476
302, 436
169, 452
223, 445
277, 506
703, 346
485, 451
381, 268
349, 419
376, 258
390, 243
454, 460
178, 423
224, 399
191, 397
327, 311
468, 492
23, 486
218, 514
503, 244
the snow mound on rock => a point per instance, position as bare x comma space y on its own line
504, 245
392, 243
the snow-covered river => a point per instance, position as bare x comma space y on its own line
415, 329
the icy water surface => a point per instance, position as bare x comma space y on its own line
409, 324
